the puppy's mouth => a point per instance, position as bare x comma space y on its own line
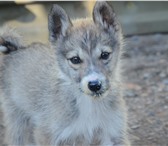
97, 94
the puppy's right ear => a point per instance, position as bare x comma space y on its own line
58, 23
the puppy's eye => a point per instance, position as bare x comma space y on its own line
75, 60
105, 55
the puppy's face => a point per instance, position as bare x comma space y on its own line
87, 50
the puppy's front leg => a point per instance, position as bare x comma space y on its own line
114, 142
106, 141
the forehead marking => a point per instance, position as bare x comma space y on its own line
89, 41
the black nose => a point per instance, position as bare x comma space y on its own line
94, 86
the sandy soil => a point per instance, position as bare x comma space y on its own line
146, 73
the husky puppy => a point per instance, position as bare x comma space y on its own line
68, 93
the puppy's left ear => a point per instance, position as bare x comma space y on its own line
58, 23
105, 17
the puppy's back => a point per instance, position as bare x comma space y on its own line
23, 72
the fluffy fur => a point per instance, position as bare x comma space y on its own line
46, 100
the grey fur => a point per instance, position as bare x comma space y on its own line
45, 97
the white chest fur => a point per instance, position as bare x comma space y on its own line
95, 114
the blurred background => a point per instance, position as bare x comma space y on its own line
136, 17
145, 27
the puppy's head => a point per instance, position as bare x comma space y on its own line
88, 51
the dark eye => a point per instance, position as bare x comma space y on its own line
75, 60
104, 55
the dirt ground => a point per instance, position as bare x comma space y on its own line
147, 84
146, 81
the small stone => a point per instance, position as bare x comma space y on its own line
165, 81
149, 138
162, 75
135, 126
165, 107
152, 114
146, 76
131, 94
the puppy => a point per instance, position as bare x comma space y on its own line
68, 93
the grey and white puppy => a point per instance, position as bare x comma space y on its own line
68, 93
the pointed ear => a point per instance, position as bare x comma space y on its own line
105, 17
58, 23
